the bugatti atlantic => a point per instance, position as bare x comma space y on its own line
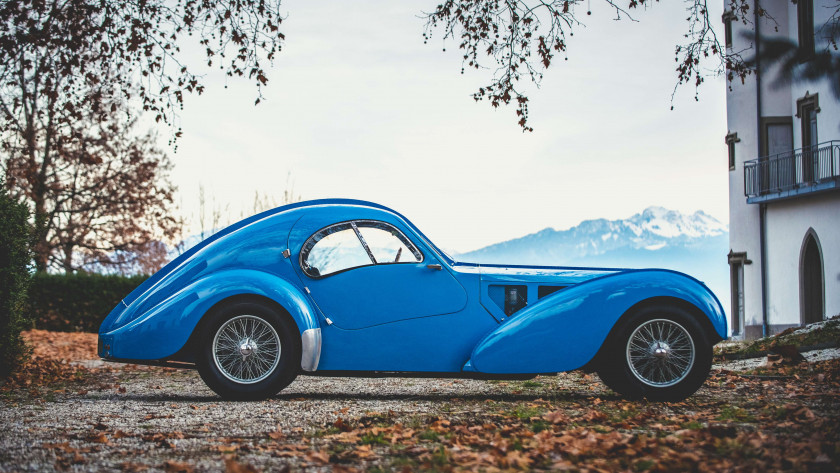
351, 288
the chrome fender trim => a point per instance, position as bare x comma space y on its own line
310, 343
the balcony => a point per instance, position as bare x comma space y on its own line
793, 173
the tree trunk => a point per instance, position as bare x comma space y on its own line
38, 180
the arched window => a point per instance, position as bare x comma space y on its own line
811, 281
349, 245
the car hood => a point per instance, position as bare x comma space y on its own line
560, 275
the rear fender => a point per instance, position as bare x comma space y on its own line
565, 330
164, 329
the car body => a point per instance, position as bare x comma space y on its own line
352, 288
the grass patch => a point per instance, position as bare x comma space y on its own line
734, 448
338, 448
692, 425
539, 425
402, 461
827, 334
531, 384
440, 457
415, 423
526, 412
429, 435
371, 439
737, 414
643, 465
621, 414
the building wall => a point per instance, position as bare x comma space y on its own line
742, 118
828, 119
787, 222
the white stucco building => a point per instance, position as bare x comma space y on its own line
784, 179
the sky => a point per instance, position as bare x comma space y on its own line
357, 106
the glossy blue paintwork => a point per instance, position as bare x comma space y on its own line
157, 318
169, 324
399, 317
564, 331
494, 277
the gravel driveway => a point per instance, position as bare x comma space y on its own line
132, 418
132, 405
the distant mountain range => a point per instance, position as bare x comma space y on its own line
696, 244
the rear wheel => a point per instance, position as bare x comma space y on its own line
248, 351
660, 353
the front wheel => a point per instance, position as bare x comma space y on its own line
248, 351
661, 353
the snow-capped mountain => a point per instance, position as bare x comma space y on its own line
696, 244
654, 229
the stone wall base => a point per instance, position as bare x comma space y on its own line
752, 332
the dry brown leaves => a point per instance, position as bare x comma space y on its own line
783, 417
53, 359
62, 346
779, 418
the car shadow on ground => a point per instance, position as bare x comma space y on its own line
447, 397
164, 397
406, 397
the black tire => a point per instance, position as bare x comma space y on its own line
651, 367
257, 329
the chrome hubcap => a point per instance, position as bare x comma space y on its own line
661, 350
660, 353
246, 349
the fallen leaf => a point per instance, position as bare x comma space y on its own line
133, 467
343, 426
320, 456
233, 466
171, 466
98, 438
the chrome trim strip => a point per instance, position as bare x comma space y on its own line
310, 342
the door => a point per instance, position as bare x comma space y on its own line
809, 143
363, 273
780, 152
811, 281
737, 281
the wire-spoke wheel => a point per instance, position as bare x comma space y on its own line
659, 352
248, 350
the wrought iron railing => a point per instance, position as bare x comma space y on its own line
798, 169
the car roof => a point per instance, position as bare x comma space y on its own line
247, 221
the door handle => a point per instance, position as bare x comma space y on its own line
434, 266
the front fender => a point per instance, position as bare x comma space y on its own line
165, 328
565, 330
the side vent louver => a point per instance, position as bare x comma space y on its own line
543, 291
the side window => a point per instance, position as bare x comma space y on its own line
350, 245
333, 249
387, 244
731, 139
728, 17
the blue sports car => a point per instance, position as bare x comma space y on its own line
351, 288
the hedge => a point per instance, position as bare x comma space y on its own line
77, 302
15, 255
